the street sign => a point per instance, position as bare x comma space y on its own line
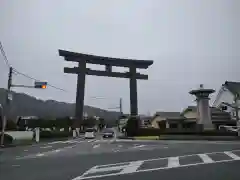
10, 96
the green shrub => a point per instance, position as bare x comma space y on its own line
158, 132
54, 134
11, 125
7, 139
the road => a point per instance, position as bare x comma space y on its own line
122, 159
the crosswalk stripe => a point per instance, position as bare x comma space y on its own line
173, 162
232, 155
205, 158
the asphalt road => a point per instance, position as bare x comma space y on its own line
122, 159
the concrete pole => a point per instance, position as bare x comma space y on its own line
37, 134
7, 105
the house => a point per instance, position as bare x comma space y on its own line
218, 117
228, 98
145, 121
160, 119
188, 118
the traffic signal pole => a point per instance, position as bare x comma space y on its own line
6, 108
7, 105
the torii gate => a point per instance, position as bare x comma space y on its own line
108, 62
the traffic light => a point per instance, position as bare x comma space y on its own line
41, 85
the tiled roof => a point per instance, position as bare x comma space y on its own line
168, 114
233, 87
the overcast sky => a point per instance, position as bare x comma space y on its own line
190, 41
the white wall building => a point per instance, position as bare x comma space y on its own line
228, 98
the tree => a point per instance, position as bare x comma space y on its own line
11, 125
89, 122
102, 123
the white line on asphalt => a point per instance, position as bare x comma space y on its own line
173, 162
57, 150
25, 150
205, 158
232, 155
55, 142
15, 165
39, 154
45, 147
69, 147
139, 146
96, 146
132, 167
126, 167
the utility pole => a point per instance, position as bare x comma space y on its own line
120, 106
7, 105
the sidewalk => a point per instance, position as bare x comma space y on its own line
183, 137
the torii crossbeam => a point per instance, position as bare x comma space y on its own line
108, 62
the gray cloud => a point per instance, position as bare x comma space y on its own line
190, 41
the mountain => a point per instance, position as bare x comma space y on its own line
25, 105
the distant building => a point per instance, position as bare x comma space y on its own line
228, 98
160, 119
188, 118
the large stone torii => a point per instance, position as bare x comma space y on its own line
108, 62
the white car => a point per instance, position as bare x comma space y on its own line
90, 133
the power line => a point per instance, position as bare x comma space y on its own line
4, 55
30, 77
23, 74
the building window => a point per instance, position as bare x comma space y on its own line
173, 126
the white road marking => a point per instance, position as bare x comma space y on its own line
139, 146
69, 147
55, 142
15, 165
25, 150
179, 141
205, 158
96, 146
57, 150
173, 162
92, 140
124, 168
39, 155
232, 155
45, 147
132, 167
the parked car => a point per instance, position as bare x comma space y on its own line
108, 133
90, 133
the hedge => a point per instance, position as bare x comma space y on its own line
158, 132
59, 123
55, 134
